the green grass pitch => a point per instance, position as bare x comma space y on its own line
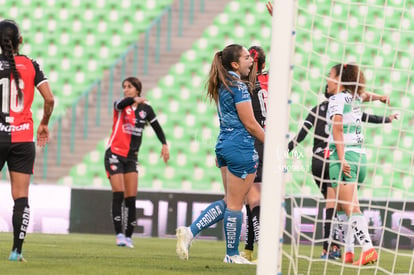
98, 254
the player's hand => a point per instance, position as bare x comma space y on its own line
165, 153
394, 116
269, 7
42, 135
346, 168
385, 99
139, 100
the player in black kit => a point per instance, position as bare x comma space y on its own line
320, 166
131, 115
259, 80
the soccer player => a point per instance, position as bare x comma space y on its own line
131, 114
347, 160
320, 166
19, 75
235, 153
259, 78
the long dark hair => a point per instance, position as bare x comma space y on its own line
9, 43
219, 70
259, 58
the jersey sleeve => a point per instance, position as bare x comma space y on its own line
241, 93
40, 77
310, 119
335, 106
151, 116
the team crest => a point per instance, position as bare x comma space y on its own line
114, 167
142, 114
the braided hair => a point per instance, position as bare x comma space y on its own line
9, 44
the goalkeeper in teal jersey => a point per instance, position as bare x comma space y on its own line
347, 168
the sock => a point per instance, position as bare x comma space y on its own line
131, 216
232, 228
249, 229
347, 234
359, 227
342, 224
256, 222
211, 215
327, 227
21, 217
117, 199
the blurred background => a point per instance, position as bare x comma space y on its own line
87, 47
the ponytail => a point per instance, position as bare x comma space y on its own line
9, 41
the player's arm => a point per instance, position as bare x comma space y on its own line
48, 104
303, 132
368, 96
338, 137
156, 126
378, 119
245, 111
128, 101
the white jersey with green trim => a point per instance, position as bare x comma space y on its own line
349, 108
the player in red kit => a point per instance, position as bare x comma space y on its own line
131, 114
17, 146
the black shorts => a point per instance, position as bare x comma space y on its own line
259, 148
116, 164
320, 172
19, 156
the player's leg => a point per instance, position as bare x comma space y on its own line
20, 162
131, 188
237, 189
252, 220
320, 172
210, 216
114, 170
348, 196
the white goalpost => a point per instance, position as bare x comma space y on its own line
269, 260
308, 38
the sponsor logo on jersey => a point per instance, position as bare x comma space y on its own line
132, 130
14, 128
142, 114
9, 119
113, 159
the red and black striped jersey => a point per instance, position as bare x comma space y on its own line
259, 99
16, 122
128, 126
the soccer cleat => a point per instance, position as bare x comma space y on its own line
184, 238
235, 259
247, 254
129, 243
16, 257
325, 255
349, 258
368, 257
335, 253
120, 239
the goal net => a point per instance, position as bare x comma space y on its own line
378, 36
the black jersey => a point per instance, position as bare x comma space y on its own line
128, 126
259, 99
